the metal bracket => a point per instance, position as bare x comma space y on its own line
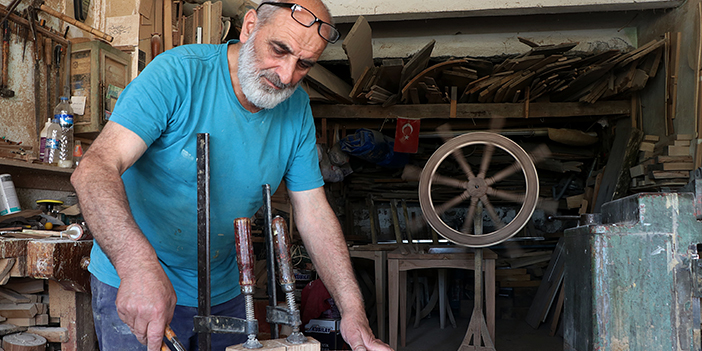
224, 325
279, 315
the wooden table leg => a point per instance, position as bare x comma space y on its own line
393, 295
380, 290
76, 313
442, 298
403, 307
490, 296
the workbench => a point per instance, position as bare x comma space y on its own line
64, 263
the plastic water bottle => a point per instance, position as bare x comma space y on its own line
53, 135
64, 114
42, 139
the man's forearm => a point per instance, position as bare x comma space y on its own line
325, 242
105, 208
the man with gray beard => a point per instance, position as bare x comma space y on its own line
137, 182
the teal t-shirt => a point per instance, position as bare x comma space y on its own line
185, 91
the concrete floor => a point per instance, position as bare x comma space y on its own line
512, 335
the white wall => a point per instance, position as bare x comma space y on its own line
348, 10
495, 36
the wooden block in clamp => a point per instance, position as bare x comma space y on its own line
282, 345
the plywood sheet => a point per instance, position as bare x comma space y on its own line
358, 46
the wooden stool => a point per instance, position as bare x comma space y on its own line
399, 264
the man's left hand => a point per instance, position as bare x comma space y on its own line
359, 336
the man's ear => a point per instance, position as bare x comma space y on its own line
248, 25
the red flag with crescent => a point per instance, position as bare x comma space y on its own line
407, 135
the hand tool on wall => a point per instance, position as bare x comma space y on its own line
173, 339
39, 4
156, 44
48, 47
56, 65
5, 91
286, 278
247, 281
11, 7
25, 33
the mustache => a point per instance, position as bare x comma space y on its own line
274, 78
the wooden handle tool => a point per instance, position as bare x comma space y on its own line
171, 336
74, 22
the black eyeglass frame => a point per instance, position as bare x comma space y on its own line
293, 7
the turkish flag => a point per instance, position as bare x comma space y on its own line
407, 135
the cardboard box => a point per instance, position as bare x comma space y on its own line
327, 332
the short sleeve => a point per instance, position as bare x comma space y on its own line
304, 173
146, 104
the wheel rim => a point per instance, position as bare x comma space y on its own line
478, 188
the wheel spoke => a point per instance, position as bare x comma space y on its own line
411, 173
468, 223
445, 132
458, 155
540, 153
506, 195
491, 211
487, 157
452, 203
506, 172
456, 183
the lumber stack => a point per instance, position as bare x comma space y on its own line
515, 278
544, 73
24, 307
663, 163
23, 303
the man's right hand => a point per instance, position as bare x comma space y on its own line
145, 302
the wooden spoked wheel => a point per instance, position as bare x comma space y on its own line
449, 184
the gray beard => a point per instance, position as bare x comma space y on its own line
255, 90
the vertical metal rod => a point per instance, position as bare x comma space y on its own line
270, 262
204, 339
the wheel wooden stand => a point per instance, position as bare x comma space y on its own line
475, 189
478, 337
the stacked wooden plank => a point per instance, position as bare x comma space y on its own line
24, 307
23, 303
515, 278
547, 72
663, 162
544, 73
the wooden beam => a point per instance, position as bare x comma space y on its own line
478, 111
167, 25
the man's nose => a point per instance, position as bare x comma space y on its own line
286, 70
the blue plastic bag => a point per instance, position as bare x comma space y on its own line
374, 147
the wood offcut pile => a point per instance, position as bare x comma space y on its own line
544, 73
663, 163
25, 315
